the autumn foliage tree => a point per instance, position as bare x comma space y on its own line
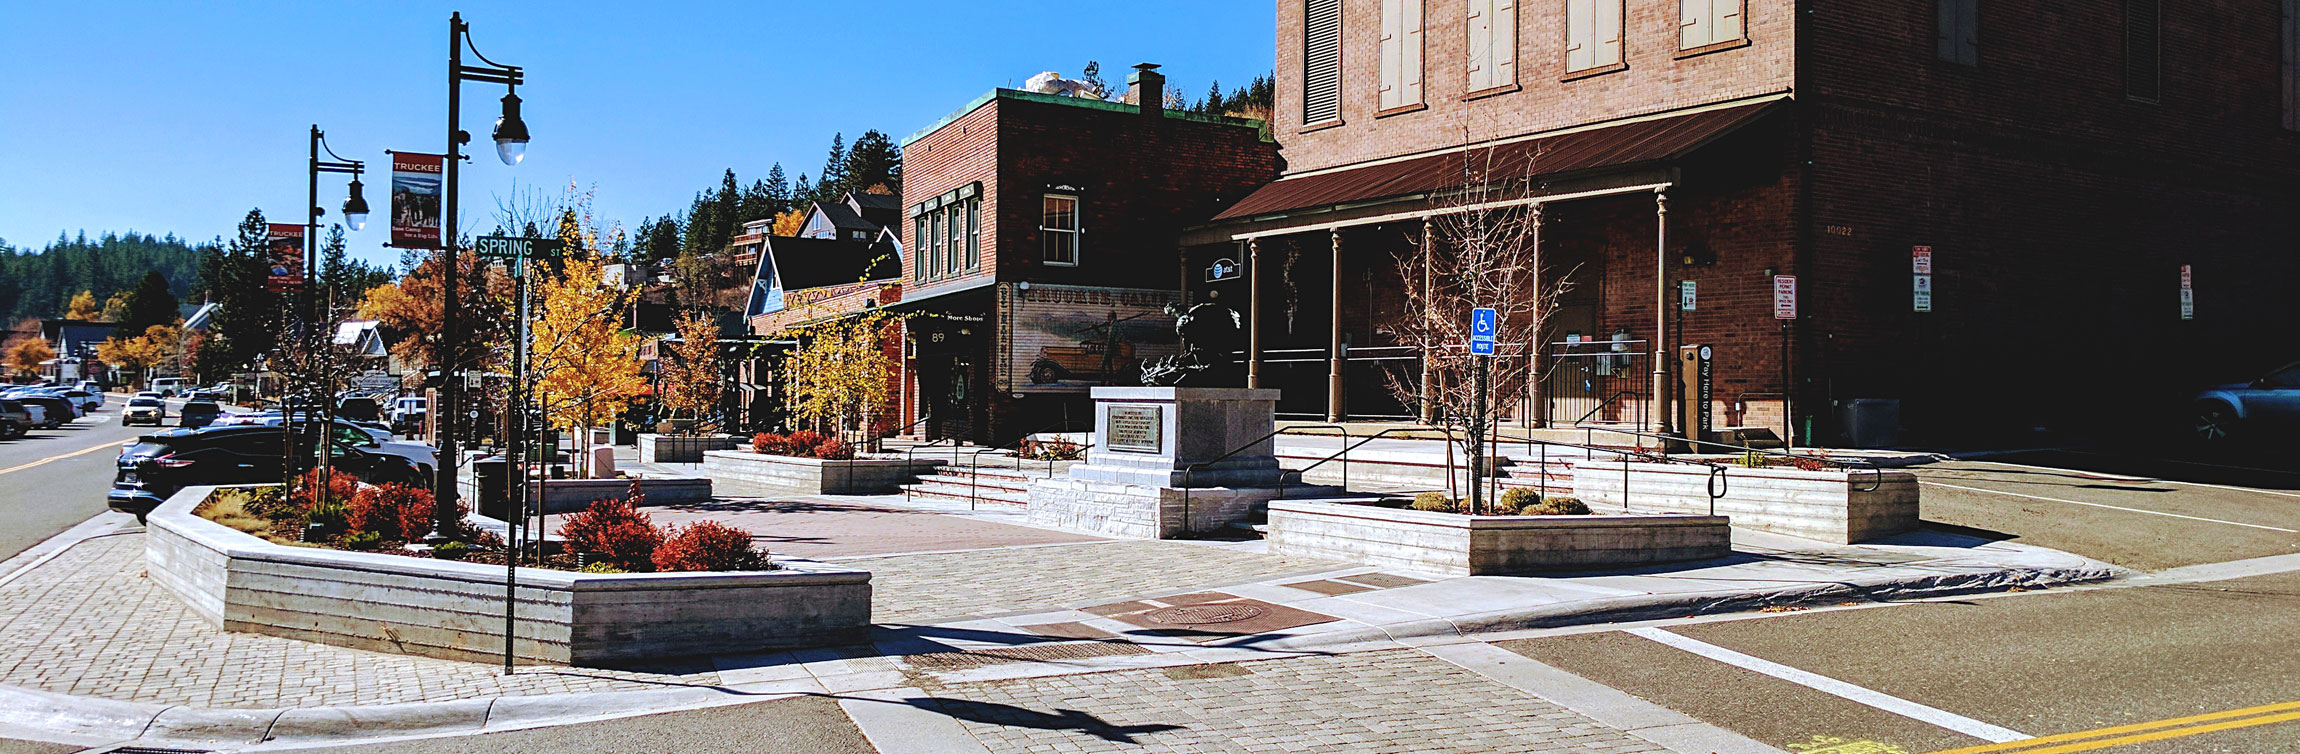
841, 376
83, 307
158, 346
586, 365
26, 356
691, 377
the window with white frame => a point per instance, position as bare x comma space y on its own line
1704, 23
1401, 64
1492, 59
1592, 35
1058, 226
952, 238
935, 248
974, 234
921, 267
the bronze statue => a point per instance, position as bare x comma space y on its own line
1210, 335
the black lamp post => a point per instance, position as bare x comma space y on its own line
511, 145
322, 415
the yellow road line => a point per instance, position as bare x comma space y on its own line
2168, 728
80, 452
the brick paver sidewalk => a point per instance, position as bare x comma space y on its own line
910, 589
1385, 702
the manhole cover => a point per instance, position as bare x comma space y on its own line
1202, 614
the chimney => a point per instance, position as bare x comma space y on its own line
1148, 89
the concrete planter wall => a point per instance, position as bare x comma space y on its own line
570, 495
674, 449
436, 608
1452, 544
1144, 511
741, 470
1830, 506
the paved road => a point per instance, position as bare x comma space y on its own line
54, 478
2140, 513
812, 725
2039, 665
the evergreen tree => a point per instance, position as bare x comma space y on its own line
149, 303
834, 168
246, 320
778, 191
873, 160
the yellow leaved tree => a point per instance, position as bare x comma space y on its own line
83, 307
691, 376
26, 356
841, 374
586, 365
160, 345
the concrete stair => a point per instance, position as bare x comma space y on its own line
999, 480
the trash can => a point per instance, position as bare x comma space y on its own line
1870, 422
494, 497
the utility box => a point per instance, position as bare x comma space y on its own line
1870, 422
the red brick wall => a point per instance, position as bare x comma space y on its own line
1655, 79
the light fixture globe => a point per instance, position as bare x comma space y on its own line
510, 132
355, 208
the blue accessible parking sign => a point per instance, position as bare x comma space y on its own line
1482, 323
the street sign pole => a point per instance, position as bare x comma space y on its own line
1785, 310
1483, 326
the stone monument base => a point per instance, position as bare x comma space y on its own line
1149, 512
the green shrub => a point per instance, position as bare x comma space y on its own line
1752, 460
1557, 506
330, 516
1515, 499
600, 567
362, 540
1435, 502
451, 551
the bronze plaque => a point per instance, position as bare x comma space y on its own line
1135, 429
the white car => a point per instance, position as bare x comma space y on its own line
168, 387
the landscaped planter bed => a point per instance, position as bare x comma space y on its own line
454, 610
739, 470
1830, 505
1454, 544
654, 448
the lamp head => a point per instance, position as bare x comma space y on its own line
510, 132
355, 208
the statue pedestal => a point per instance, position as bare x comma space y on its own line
1168, 462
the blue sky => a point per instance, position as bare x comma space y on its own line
178, 117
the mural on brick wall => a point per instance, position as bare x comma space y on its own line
1068, 338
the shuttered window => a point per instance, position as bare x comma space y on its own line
1592, 34
1492, 44
1956, 31
1703, 23
2292, 64
1401, 53
1321, 61
2143, 50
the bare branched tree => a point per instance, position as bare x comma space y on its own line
1477, 248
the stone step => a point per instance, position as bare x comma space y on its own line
984, 495
960, 479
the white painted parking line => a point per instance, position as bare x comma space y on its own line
1837, 688
2231, 488
2111, 507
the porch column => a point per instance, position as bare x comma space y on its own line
1544, 306
1334, 348
1429, 376
1660, 404
1253, 312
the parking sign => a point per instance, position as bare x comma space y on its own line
1482, 323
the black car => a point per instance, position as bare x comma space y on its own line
164, 462
198, 413
59, 410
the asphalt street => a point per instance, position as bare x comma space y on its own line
813, 725
54, 478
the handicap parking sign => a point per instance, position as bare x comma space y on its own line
1482, 323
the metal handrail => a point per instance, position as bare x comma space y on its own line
1718, 484
1602, 404
1189, 472
974, 462
910, 458
1876, 473
1345, 455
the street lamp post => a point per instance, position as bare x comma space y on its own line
322, 418
510, 145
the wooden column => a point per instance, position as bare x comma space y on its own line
1544, 306
1429, 376
1334, 411
1253, 312
1660, 403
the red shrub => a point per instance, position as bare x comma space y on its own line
616, 531
768, 442
834, 449
341, 487
804, 442
709, 546
396, 511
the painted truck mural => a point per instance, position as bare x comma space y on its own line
1068, 338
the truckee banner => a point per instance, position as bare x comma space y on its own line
285, 246
415, 200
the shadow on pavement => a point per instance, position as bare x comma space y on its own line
1018, 717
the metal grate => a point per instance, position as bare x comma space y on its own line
1038, 653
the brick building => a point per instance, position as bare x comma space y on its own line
2067, 172
1040, 240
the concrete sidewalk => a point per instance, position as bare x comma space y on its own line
94, 650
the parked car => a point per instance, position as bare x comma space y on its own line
198, 413
407, 414
164, 462
360, 408
58, 409
151, 411
88, 402
2268, 406
169, 386
91, 386
15, 419
204, 394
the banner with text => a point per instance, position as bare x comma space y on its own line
415, 183
284, 257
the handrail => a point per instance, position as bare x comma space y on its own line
1877, 473
1718, 483
974, 462
1189, 472
1345, 455
1602, 404
910, 458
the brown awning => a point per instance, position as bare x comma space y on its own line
1644, 141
